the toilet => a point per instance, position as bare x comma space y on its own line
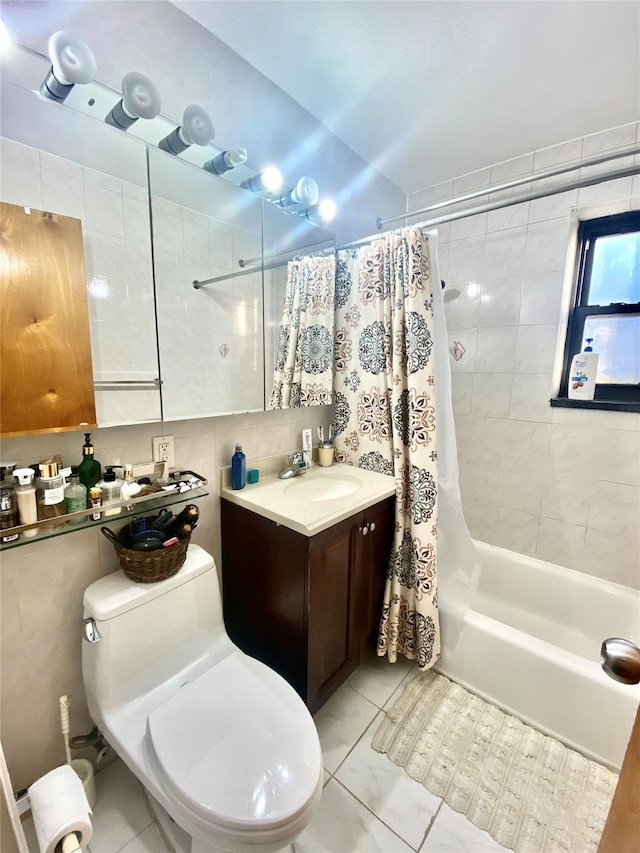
224, 746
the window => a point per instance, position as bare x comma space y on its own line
606, 308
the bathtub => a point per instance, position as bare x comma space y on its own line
530, 643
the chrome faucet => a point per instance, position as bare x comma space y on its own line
296, 467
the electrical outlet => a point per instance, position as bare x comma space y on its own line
163, 450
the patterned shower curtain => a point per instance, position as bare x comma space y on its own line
303, 371
386, 420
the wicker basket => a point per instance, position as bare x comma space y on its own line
149, 566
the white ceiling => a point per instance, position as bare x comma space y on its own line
429, 90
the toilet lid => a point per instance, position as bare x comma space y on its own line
237, 746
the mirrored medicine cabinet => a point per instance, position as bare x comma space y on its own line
151, 224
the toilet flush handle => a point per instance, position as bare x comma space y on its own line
90, 631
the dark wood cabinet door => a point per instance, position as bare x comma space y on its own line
379, 521
264, 567
332, 595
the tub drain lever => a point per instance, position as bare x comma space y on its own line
620, 659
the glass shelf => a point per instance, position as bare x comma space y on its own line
129, 508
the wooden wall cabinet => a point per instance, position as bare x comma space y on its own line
305, 606
46, 383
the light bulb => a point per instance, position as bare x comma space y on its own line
226, 161
72, 61
327, 210
5, 37
268, 181
140, 99
305, 192
321, 214
197, 129
271, 179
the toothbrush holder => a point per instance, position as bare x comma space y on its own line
325, 455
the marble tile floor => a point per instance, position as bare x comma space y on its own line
369, 805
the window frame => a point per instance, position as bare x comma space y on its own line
607, 395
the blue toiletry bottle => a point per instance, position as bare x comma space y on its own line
238, 469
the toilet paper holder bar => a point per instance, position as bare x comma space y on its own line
70, 843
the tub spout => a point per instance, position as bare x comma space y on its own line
620, 659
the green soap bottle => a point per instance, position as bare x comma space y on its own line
89, 470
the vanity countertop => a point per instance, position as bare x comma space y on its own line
314, 501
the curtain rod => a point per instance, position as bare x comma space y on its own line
242, 262
516, 182
238, 274
578, 183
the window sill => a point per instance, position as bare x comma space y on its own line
606, 405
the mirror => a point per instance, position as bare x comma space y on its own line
210, 339
58, 160
299, 285
215, 348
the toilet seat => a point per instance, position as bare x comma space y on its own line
237, 748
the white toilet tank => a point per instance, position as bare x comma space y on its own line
150, 633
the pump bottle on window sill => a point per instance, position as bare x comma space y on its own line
582, 376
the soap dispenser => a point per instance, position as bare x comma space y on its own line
89, 470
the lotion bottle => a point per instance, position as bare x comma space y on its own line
582, 376
50, 494
8, 504
75, 496
111, 488
26, 497
89, 470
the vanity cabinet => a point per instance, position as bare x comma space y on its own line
307, 606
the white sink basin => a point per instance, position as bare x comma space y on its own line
328, 488
311, 502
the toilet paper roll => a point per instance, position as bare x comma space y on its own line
59, 806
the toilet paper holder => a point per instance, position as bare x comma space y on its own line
61, 811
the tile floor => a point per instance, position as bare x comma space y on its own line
369, 805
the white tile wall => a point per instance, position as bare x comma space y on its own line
560, 484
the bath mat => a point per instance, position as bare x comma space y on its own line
528, 791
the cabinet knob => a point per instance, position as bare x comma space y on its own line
364, 530
372, 526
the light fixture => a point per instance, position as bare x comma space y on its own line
72, 61
305, 193
197, 129
322, 213
269, 180
140, 99
226, 161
